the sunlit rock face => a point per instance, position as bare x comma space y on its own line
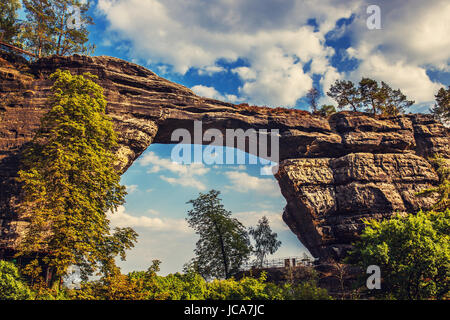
333, 172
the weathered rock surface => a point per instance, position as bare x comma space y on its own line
328, 197
333, 172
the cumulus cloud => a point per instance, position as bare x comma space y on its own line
122, 218
186, 175
412, 80
131, 188
277, 41
273, 36
243, 182
211, 92
250, 219
413, 39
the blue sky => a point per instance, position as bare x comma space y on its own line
265, 52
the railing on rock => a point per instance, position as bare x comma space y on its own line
280, 263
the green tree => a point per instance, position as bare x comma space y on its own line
412, 252
312, 96
12, 287
265, 240
50, 27
9, 25
346, 94
392, 102
369, 95
69, 182
326, 110
224, 242
441, 109
306, 290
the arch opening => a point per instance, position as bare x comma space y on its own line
156, 208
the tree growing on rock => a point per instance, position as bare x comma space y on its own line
224, 244
326, 110
265, 240
69, 183
441, 109
369, 97
9, 24
346, 94
57, 27
312, 96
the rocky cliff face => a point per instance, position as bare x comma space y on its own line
333, 172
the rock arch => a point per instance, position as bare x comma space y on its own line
333, 172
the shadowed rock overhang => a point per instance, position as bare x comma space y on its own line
333, 171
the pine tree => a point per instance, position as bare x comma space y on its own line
346, 94
441, 109
69, 182
9, 25
50, 28
369, 95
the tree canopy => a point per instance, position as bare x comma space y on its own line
50, 29
224, 243
265, 240
369, 96
441, 109
12, 287
9, 24
69, 182
412, 252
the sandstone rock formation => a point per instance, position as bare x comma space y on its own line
333, 172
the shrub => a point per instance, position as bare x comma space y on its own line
11, 285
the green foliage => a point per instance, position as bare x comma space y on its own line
224, 243
9, 25
265, 241
307, 290
369, 95
412, 252
69, 182
441, 109
12, 287
147, 285
245, 289
326, 110
346, 94
46, 30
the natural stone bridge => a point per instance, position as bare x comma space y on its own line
333, 171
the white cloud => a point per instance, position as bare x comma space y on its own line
187, 175
413, 39
131, 188
279, 80
211, 92
210, 70
250, 219
121, 218
273, 37
243, 182
411, 79
269, 170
